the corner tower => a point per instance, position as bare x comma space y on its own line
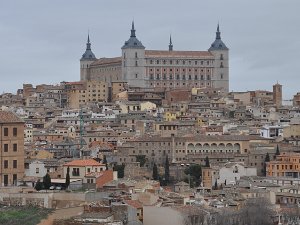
133, 61
86, 60
220, 78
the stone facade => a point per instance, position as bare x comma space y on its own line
161, 68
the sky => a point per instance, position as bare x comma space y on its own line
42, 41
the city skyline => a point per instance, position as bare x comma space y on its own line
46, 48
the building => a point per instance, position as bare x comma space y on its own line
11, 148
286, 165
296, 99
84, 92
160, 68
228, 173
81, 167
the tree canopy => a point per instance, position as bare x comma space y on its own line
47, 181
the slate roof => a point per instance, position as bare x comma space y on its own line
218, 43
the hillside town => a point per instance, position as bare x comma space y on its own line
150, 134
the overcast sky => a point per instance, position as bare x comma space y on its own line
42, 41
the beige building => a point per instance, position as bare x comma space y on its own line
160, 68
296, 99
84, 92
11, 148
82, 167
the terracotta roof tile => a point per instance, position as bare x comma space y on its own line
84, 162
9, 117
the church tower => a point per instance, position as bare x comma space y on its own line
133, 61
220, 78
277, 95
86, 60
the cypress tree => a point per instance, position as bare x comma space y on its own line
216, 185
38, 185
167, 170
47, 181
277, 151
267, 159
155, 172
68, 177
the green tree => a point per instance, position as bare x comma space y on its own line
155, 175
38, 185
141, 159
216, 185
68, 177
277, 151
167, 170
267, 159
194, 171
120, 169
47, 181
207, 164
105, 162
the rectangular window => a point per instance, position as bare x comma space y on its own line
5, 131
15, 147
15, 164
37, 170
15, 178
5, 178
75, 172
15, 132
5, 147
5, 164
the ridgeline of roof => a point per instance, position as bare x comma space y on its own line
84, 162
178, 54
9, 117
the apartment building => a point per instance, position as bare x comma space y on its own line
11, 148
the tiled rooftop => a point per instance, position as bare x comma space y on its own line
83, 162
9, 117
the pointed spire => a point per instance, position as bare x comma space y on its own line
88, 44
88, 54
170, 44
218, 33
132, 30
